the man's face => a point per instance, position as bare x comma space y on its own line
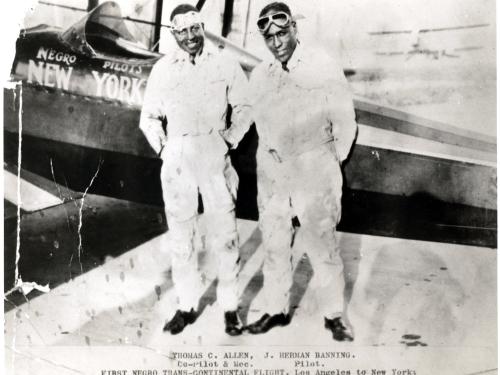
281, 41
191, 38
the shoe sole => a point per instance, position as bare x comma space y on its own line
267, 330
176, 332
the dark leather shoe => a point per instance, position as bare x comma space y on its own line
266, 322
180, 320
233, 325
339, 329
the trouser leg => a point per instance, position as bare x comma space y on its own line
222, 238
219, 195
327, 283
185, 275
180, 197
318, 210
276, 227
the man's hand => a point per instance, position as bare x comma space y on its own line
226, 135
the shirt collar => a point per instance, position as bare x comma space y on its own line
294, 60
182, 56
296, 57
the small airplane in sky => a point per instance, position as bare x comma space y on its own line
418, 45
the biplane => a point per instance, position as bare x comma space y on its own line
71, 115
420, 46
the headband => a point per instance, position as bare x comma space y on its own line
185, 20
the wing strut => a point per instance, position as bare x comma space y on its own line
158, 25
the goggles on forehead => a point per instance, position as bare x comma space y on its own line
186, 20
280, 19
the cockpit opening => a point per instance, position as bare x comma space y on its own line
103, 32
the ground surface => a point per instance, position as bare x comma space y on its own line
413, 304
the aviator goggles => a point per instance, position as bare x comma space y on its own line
280, 19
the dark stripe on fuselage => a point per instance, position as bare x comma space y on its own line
403, 122
112, 126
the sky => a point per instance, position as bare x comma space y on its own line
347, 23
340, 26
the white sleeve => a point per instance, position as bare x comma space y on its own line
152, 112
340, 110
239, 98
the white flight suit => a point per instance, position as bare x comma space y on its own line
193, 100
306, 125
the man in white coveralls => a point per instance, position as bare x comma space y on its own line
305, 119
189, 91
